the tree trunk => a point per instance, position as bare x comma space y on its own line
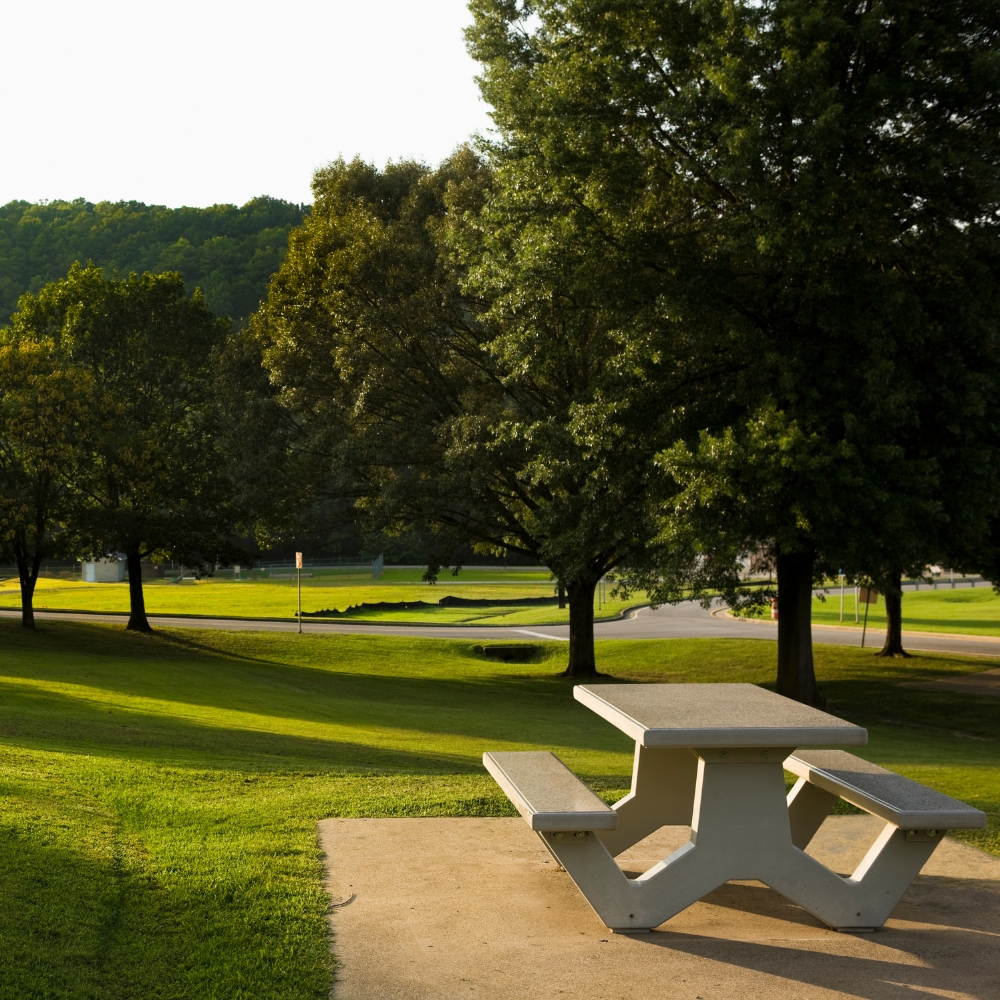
796, 677
893, 617
582, 663
562, 595
137, 621
27, 573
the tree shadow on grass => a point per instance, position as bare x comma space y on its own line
75, 925
546, 678
85, 926
488, 704
76, 639
945, 712
45, 720
491, 708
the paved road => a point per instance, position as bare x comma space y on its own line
687, 620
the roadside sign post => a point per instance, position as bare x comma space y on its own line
841, 596
298, 576
870, 596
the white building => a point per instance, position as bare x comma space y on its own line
104, 570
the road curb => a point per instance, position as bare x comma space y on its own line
623, 615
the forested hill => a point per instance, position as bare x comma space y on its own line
229, 252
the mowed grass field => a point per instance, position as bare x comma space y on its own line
323, 590
973, 611
967, 610
159, 794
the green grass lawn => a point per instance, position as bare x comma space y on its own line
969, 610
324, 590
160, 794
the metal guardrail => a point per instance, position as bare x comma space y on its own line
944, 582
341, 562
285, 568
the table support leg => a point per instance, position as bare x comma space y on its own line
740, 820
866, 899
808, 806
742, 828
624, 904
663, 786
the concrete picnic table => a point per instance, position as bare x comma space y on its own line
712, 757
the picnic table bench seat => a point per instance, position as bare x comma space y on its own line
547, 794
904, 803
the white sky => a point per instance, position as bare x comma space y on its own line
196, 102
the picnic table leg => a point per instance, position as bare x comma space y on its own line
742, 828
808, 806
866, 899
663, 786
628, 904
739, 830
739, 820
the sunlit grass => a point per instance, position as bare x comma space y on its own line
967, 610
324, 590
160, 794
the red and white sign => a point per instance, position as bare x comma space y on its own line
298, 560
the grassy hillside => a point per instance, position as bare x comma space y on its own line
160, 794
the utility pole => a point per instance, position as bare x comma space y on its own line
298, 574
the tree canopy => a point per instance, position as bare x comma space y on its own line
45, 418
820, 178
151, 477
228, 252
416, 384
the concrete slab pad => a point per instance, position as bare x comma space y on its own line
448, 908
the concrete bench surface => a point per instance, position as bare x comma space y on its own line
896, 799
715, 715
547, 794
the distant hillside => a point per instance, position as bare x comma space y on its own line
229, 252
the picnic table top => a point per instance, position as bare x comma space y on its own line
715, 715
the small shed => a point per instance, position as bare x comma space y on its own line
104, 570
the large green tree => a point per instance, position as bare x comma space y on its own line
821, 178
416, 384
153, 482
45, 416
